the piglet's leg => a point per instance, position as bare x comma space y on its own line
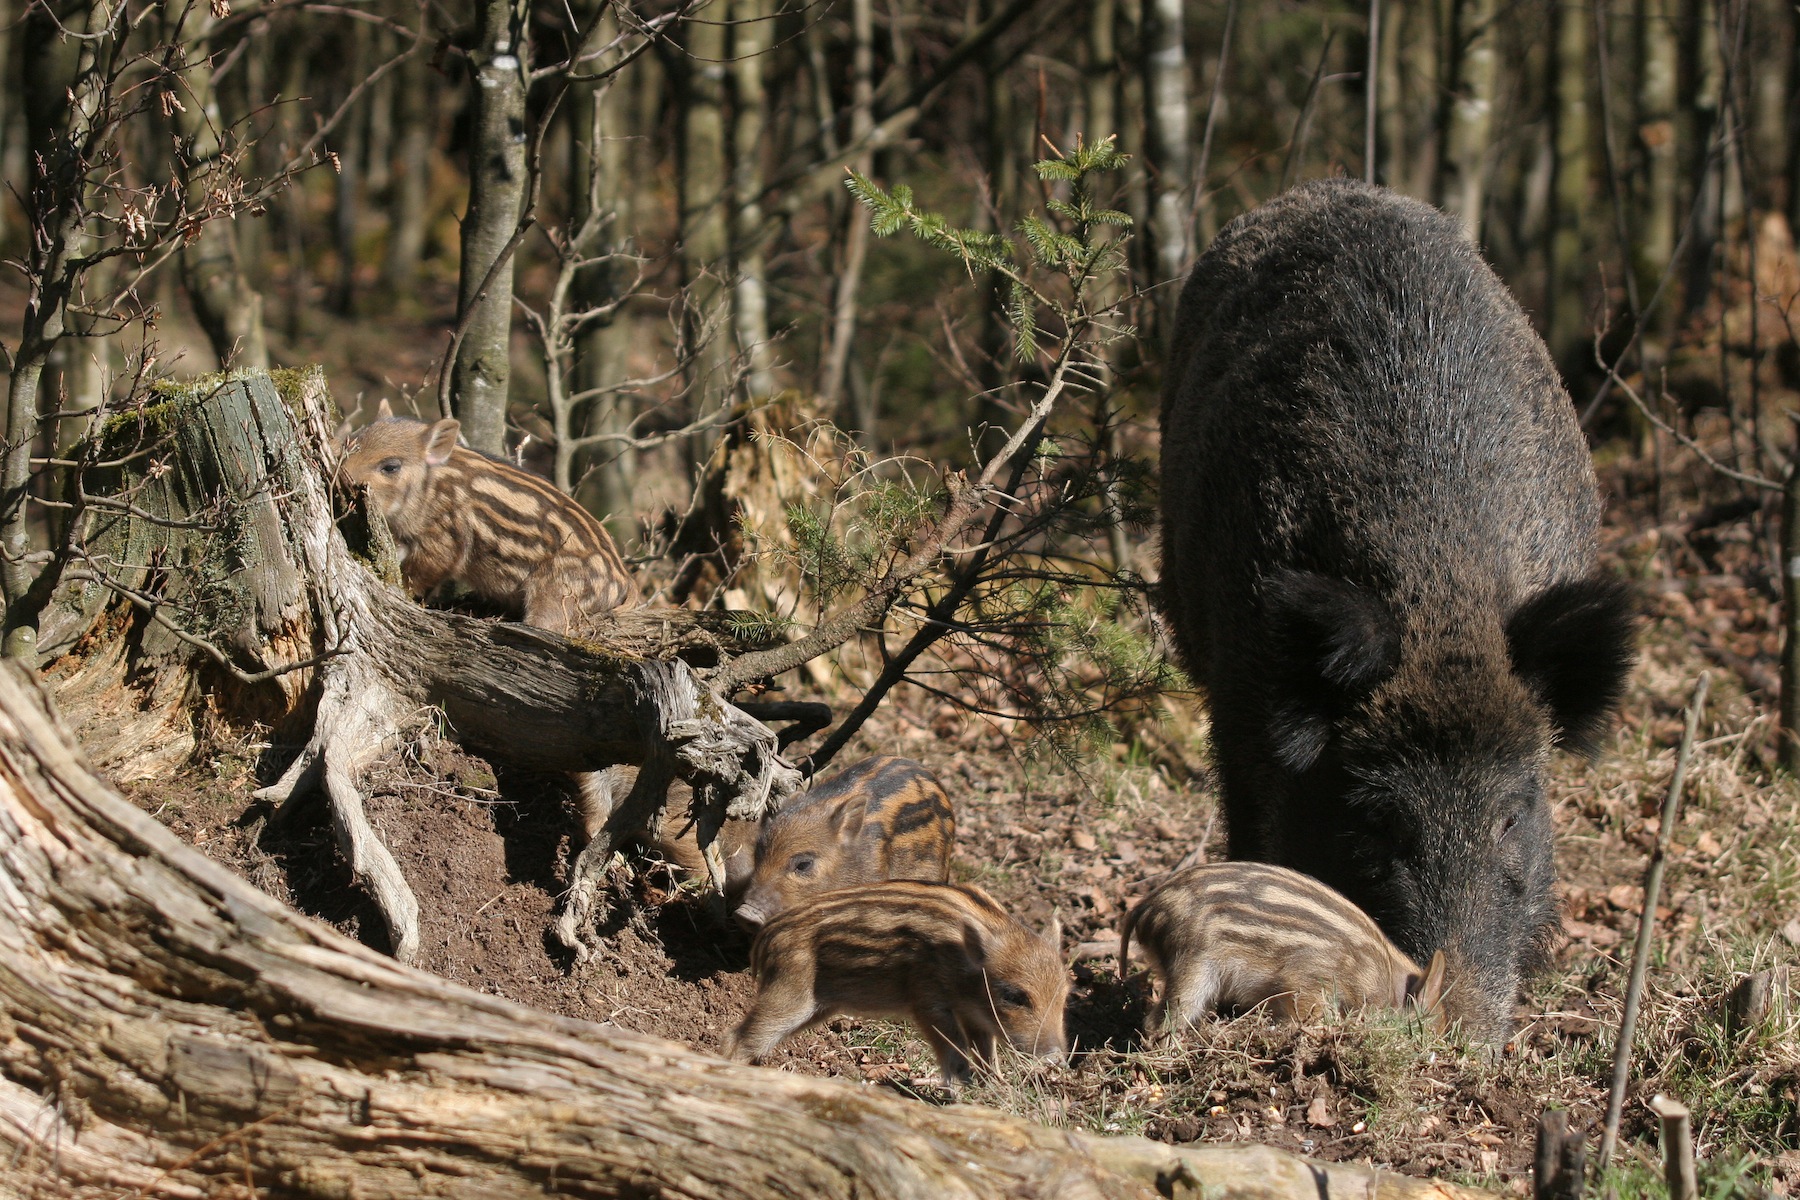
1188, 994
782, 1008
947, 1041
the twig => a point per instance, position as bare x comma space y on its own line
1677, 1147
1640, 954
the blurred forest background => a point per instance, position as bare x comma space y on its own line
307, 181
615, 241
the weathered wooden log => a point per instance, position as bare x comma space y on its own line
166, 1030
219, 513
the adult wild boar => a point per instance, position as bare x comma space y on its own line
1379, 526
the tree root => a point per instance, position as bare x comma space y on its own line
731, 760
353, 725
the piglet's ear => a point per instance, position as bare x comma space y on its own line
1574, 644
384, 411
1332, 643
440, 441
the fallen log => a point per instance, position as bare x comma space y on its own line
166, 1030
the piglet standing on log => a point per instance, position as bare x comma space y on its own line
508, 536
943, 956
1239, 934
883, 818
1379, 561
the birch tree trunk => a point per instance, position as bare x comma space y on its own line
482, 371
1166, 93
752, 31
607, 165
1462, 166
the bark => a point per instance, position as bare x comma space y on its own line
482, 370
1565, 313
1468, 125
416, 100
285, 590
228, 308
1166, 93
752, 36
169, 1030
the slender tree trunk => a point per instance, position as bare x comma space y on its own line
352, 154
752, 30
482, 371
227, 307
1659, 189
1424, 65
1468, 128
613, 163
1166, 93
1397, 24
1705, 167
834, 377
705, 185
1565, 313
66, 89
415, 99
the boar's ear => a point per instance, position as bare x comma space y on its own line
384, 411
440, 441
1573, 644
975, 944
1333, 643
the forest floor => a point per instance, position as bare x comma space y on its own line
487, 851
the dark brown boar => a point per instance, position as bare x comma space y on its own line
942, 956
1379, 563
883, 818
508, 536
1240, 934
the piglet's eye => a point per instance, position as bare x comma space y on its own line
390, 466
1011, 995
802, 864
